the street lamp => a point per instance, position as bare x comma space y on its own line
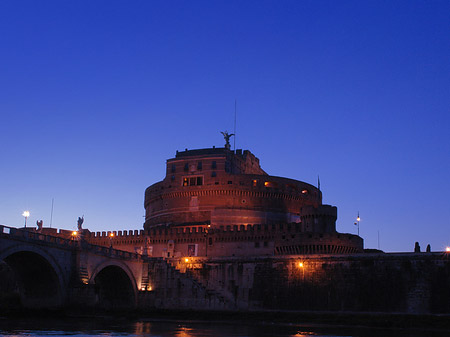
357, 222
26, 214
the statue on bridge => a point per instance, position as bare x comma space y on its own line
39, 224
80, 223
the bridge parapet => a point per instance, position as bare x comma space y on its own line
75, 242
26, 235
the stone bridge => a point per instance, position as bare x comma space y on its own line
47, 271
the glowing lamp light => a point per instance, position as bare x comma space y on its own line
358, 219
74, 233
26, 214
300, 264
447, 249
111, 235
186, 260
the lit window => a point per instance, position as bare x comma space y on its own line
255, 183
270, 184
193, 181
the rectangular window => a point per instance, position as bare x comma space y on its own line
186, 167
173, 168
199, 165
214, 165
270, 184
193, 181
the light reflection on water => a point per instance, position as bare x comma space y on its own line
169, 328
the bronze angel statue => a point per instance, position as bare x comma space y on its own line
227, 137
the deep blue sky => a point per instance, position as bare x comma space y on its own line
96, 95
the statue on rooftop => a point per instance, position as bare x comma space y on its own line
80, 222
227, 137
39, 225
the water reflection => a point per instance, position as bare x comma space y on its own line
170, 328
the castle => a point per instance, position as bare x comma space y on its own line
218, 202
220, 233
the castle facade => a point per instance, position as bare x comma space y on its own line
219, 202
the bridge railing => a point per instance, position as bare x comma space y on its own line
31, 235
24, 234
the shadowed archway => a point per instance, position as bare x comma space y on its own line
33, 279
114, 289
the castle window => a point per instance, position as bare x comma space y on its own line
186, 167
213, 174
173, 168
172, 177
214, 165
199, 165
193, 181
270, 184
230, 182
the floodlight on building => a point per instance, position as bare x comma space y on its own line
300, 264
447, 249
186, 260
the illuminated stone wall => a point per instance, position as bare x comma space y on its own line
218, 186
404, 283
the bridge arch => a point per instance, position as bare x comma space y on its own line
115, 285
38, 277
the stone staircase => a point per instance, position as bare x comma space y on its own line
213, 287
178, 289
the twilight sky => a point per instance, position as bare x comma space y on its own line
96, 95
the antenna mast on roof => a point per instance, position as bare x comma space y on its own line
234, 140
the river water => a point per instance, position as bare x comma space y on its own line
169, 328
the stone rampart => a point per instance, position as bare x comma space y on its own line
405, 283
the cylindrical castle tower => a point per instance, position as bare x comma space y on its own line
217, 186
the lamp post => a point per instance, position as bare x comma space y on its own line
26, 214
357, 222
111, 235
